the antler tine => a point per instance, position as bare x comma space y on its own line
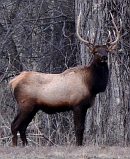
114, 43
109, 36
95, 37
87, 42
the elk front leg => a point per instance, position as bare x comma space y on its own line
79, 120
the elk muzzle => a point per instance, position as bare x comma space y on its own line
104, 58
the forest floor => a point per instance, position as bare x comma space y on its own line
65, 152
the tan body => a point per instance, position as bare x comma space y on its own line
66, 89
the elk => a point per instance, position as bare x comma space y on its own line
74, 89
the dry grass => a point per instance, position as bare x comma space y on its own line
65, 152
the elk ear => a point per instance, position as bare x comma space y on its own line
94, 50
90, 48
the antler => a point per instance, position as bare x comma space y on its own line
113, 44
87, 42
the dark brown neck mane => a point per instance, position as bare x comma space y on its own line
99, 77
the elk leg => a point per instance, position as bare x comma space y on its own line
14, 129
23, 127
14, 137
23, 137
20, 124
79, 119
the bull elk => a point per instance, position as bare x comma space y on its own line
75, 89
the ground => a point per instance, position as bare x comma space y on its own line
65, 152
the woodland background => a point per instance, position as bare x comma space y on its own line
40, 35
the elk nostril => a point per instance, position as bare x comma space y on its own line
104, 58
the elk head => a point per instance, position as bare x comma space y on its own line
100, 51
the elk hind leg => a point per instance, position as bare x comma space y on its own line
23, 126
14, 129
